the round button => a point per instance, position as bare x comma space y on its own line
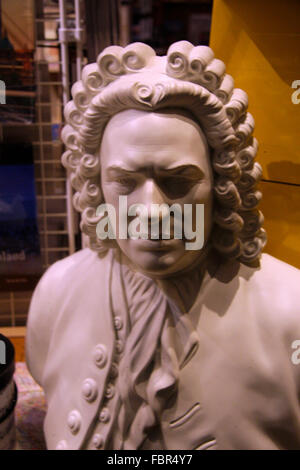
118, 323
97, 441
100, 355
110, 391
119, 346
114, 370
62, 445
74, 421
104, 416
89, 390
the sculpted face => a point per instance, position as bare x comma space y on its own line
156, 158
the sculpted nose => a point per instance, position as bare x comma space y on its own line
152, 195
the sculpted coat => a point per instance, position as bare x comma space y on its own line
239, 391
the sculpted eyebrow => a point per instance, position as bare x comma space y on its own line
187, 171
117, 170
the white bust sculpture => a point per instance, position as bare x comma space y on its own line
139, 342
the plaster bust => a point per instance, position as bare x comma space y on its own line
140, 343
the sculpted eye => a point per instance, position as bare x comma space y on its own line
125, 181
177, 186
126, 184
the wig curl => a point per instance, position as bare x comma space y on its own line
187, 77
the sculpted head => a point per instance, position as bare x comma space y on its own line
157, 158
165, 130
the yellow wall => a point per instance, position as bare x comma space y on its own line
18, 22
259, 41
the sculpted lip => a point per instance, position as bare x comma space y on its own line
156, 245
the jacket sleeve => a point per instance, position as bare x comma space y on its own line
40, 325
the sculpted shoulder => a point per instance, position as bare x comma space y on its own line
83, 264
63, 279
275, 284
70, 273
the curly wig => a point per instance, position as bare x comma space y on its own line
187, 77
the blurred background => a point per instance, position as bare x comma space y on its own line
260, 45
